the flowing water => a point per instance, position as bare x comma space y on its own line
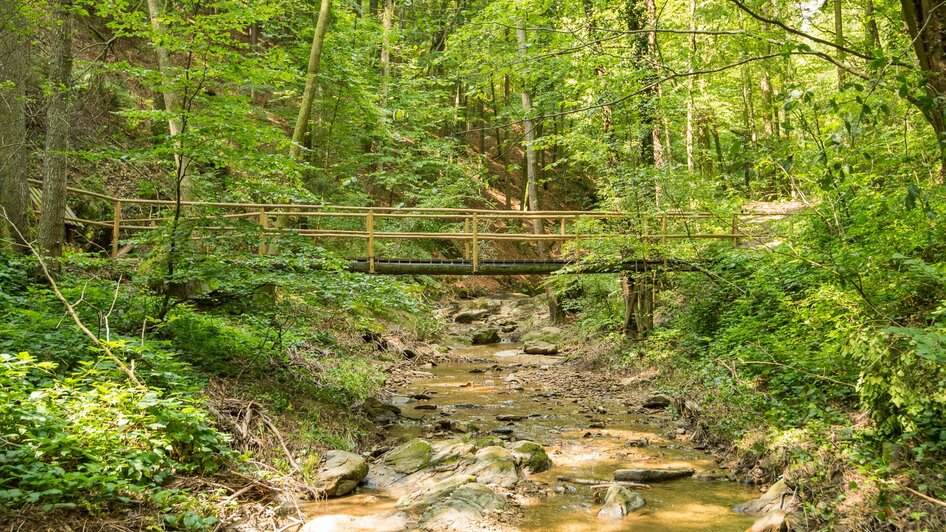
477, 392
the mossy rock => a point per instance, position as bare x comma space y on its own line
409, 457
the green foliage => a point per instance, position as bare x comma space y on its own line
86, 438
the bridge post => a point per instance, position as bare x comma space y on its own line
476, 245
466, 245
264, 224
116, 225
370, 223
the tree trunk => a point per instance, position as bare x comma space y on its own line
387, 18
55, 169
14, 72
839, 39
172, 102
691, 163
532, 189
315, 57
870, 26
926, 26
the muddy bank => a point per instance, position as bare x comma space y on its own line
454, 426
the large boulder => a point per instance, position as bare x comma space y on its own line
778, 497
409, 457
341, 473
388, 522
462, 509
530, 456
538, 347
494, 465
657, 401
419, 500
552, 335
618, 502
486, 335
651, 475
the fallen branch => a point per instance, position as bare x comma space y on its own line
72, 311
595, 483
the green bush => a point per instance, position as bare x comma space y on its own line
85, 438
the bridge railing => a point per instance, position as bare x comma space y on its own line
468, 227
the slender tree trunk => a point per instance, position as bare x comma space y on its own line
14, 73
839, 39
532, 189
927, 26
691, 163
387, 20
56, 164
172, 100
870, 26
312, 72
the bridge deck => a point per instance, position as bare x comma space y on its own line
506, 267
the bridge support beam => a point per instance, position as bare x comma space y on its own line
639, 291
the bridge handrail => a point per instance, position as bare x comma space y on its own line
471, 234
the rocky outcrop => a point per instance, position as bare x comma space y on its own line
486, 335
409, 457
618, 502
651, 475
419, 500
380, 412
530, 456
341, 473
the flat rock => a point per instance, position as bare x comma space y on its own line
618, 502
778, 497
650, 475
774, 521
494, 465
388, 522
409, 457
471, 315
341, 473
462, 508
419, 500
539, 347
510, 417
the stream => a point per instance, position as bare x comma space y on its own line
589, 427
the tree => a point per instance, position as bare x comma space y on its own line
315, 57
172, 100
55, 168
14, 71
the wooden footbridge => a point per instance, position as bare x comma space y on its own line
374, 236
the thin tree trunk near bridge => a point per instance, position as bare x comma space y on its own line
312, 72
532, 189
172, 101
52, 230
926, 26
14, 70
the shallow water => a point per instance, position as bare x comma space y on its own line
561, 424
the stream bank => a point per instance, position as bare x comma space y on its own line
492, 437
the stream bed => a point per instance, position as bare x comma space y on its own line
587, 431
